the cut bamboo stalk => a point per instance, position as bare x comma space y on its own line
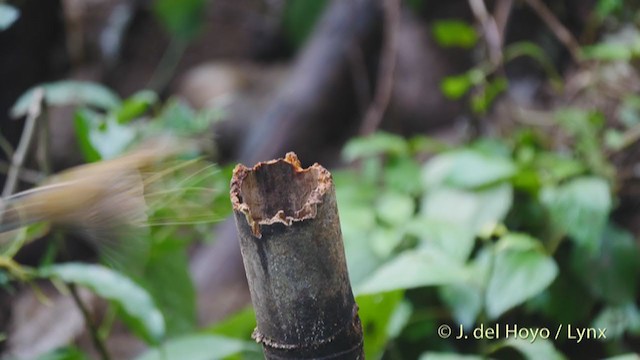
293, 254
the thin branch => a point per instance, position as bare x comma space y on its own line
93, 330
501, 14
490, 29
384, 87
26, 175
559, 30
26, 139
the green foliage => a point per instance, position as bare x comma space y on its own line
461, 232
198, 347
68, 92
454, 33
8, 15
138, 306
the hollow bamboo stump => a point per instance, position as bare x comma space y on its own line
293, 255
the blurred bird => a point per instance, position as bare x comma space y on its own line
102, 200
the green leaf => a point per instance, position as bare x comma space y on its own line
534, 350
135, 106
464, 300
608, 51
85, 122
580, 208
300, 18
611, 273
101, 138
167, 277
520, 271
400, 174
412, 269
141, 313
183, 18
471, 211
619, 320
239, 325
448, 356
65, 353
395, 208
8, 15
454, 87
177, 117
69, 92
375, 144
375, 313
466, 169
384, 241
198, 347
454, 33
455, 240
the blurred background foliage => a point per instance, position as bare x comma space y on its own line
528, 218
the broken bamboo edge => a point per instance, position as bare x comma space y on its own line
292, 249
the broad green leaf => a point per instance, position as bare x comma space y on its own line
580, 208
167, 277
8, 15
472, 211
454, 33
300, 18
375, 313
362, 259
135, 302
385, 240
448, 356
395, 208
455, 240
402, 174
375, 144
618, 320
135, 106
534, 350
197, 347
611, 273
412, 269
465, 302
552, 168
69, 92
520, 271
101, 138
65, 353
239, 325
183, 18
466, 169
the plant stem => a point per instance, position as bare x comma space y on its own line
25, 143
93, 330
